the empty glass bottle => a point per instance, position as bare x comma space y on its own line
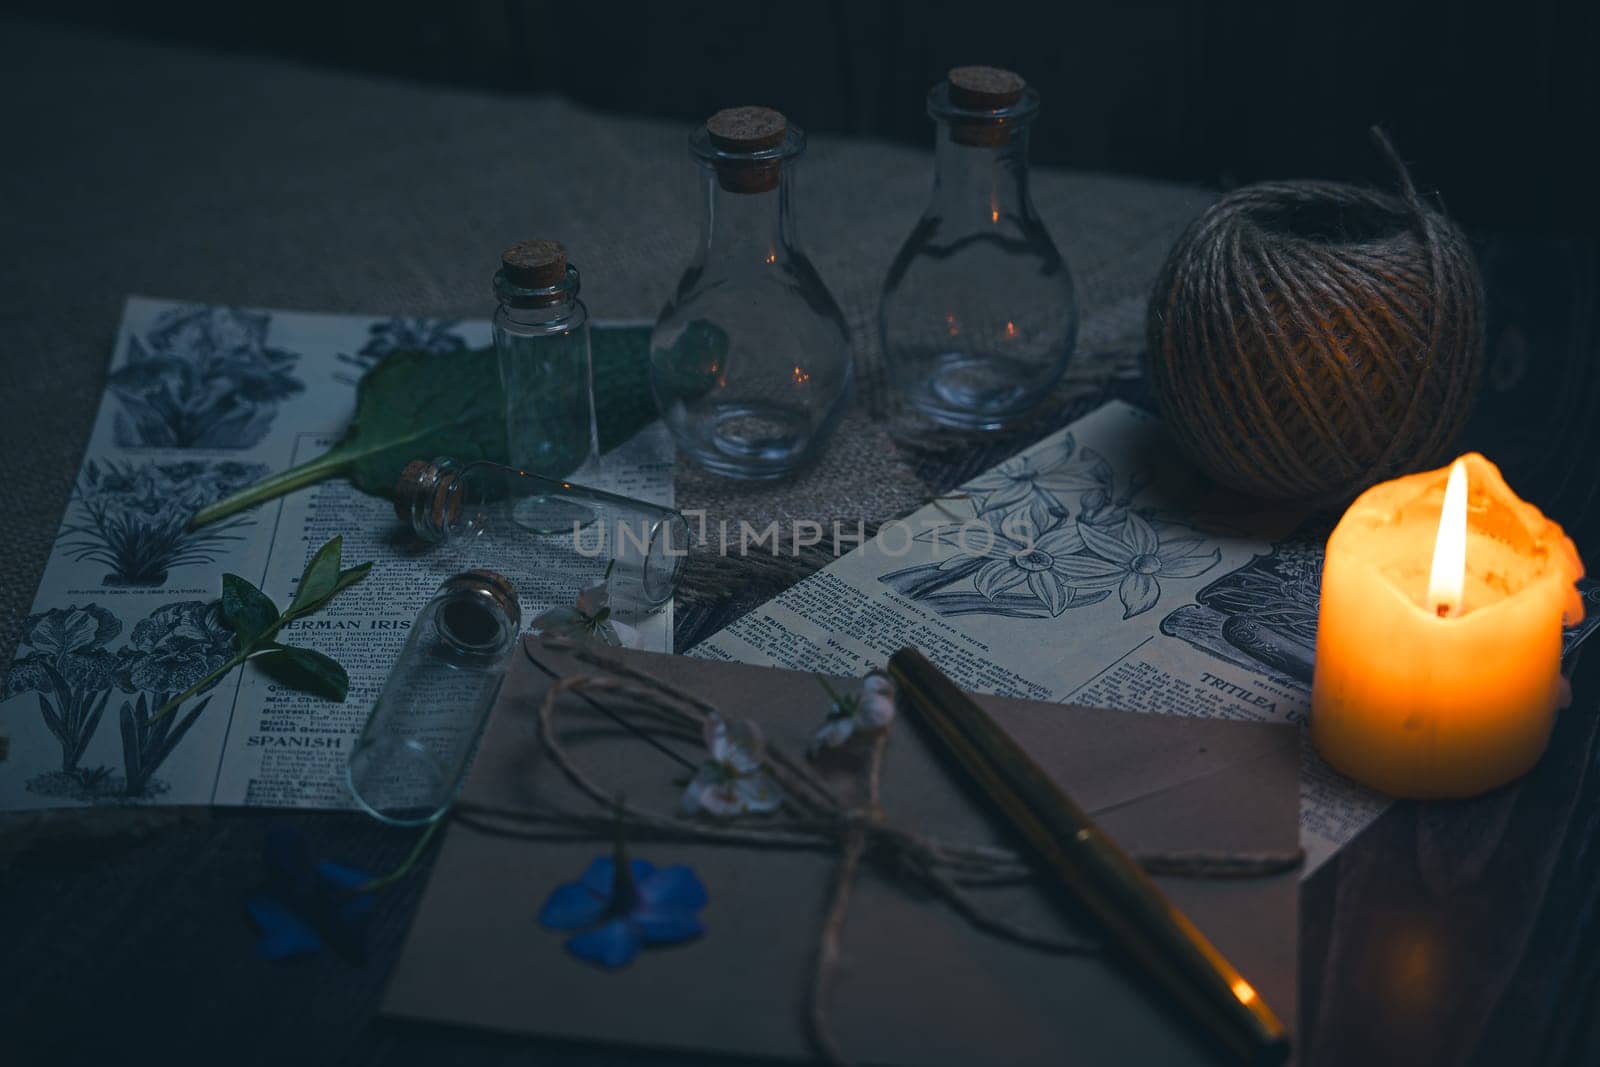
541, 337
978, 316
750, 360
475, 509
413, 754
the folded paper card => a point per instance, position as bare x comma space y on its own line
917, 983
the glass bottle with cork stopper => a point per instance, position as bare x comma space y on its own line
541, 338
419, 738
979, 315
476, 514
750, 360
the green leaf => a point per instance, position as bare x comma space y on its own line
352, 576
419, 405
305, 669
247, 610
624, 402
320, 579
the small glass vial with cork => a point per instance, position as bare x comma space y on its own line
413, 753
541, 338
978, 315
750, 360
476, 512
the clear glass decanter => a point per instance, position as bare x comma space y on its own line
541, 339
750, 360
978, 316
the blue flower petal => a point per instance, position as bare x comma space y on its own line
572, 906
600, 876
343, 915
341, 877
673, 887
666, 925
283, 933
611, 945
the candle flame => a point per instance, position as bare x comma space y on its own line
1450, 546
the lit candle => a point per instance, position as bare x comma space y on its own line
1439, 634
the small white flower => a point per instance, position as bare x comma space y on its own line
588, 619
872, 708
734, 780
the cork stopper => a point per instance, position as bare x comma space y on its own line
535, 264
422, 500
985, 88
747, 130
465, 620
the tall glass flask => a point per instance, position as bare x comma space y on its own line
475, 511
750, 360
541, 337
419, 738
978, 316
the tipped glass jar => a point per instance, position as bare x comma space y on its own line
978, 316
750, 361
476, 510
413, 753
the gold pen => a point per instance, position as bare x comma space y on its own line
1135, 914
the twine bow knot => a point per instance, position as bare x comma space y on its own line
813, 817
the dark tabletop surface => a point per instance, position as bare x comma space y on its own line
1464, 932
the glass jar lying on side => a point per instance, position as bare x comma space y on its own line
481, 510
413, 754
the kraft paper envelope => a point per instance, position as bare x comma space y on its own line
918, 984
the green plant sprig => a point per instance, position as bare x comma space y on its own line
255, 621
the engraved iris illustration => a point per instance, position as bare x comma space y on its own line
202, 377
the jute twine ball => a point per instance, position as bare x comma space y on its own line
1307, 339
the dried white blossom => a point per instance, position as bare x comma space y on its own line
588, 619
734, 780
871, 708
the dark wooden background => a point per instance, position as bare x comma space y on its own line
1500, 99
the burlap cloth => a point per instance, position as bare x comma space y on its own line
222, 179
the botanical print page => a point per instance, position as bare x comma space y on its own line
202, 401
1092, 568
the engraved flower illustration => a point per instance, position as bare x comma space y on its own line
1023, 484
1133, 557
1017, 557
202, 377
175, 647
70, 670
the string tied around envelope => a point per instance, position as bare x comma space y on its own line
814, 816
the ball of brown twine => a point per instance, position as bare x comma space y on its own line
1307, 338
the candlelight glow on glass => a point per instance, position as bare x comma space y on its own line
1439, 634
